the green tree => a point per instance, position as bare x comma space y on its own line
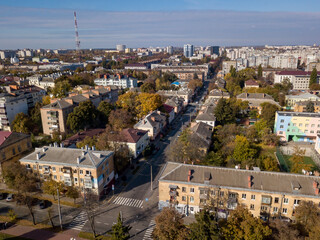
21, 123
268, 113
169, 225
105, 109
233, 72
119, 231
260, 71
90, 141
61, 89
72, 192
298, 163
82, 116
242, 225
214, 159
313, 76
205, 227
224, 113
310, 107
243, 151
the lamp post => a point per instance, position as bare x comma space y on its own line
151, 175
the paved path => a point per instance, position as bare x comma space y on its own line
40, 234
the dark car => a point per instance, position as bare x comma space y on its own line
2, 196
42, 204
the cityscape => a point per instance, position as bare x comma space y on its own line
160, 120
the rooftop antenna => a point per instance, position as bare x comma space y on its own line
77, 36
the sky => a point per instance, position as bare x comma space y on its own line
144, 23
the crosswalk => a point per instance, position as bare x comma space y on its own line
148, 234
131, 202
79, 221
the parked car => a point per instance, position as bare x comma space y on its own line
42, 204
10, 198
2, 196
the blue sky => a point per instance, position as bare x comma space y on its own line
136, 23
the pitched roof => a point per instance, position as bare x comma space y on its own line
272, 182
168, 108
80, 136
8, 138
59, 104
302, 96
3, 136
254, 96
202, 131
251, 83
132, 135
297, 73
218, 93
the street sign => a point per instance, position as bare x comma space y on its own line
112, 187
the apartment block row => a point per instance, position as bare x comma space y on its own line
190, 188
118, 80
300, 79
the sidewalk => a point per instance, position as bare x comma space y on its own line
40, 234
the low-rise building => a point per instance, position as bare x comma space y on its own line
117, 80
251, 84
302, 106
190, 188
216, 94
185, 93
300, 79
82, 168
176, 103
12, 147
72, 141
291, 100
201, 136
169, 111
207, 116
297, 126
256, 99
135, 66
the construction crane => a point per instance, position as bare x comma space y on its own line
77, 36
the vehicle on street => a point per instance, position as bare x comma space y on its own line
10, 198
2, 196
42, 204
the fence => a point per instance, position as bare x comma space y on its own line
282, 162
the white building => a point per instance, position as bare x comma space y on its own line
300, 80
117, 80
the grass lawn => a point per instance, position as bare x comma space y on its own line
306, 160
4, 236
267, 151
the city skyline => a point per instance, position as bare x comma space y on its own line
34, 24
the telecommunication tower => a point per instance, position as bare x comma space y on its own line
77, 36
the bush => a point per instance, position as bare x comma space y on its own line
12, 215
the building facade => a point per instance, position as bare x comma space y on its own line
188, 50
82, 168
189, 188
117, 80
297, 126
300, 80
291, 100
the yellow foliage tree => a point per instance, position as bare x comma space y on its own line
147, 102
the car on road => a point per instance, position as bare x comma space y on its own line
42, 204
2, 196
10, 198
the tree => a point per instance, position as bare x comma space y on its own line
35, 117
50, 187
260, 71
82, 116
233, 72
119, 231
169, 225
128, 102
205, 227
46, 100
87, 141
224, 112
268, 113
310, 107
72, 192
147, 102
195, 83
120, 119
61, 89
313, 77
214, 159
21, 123
282, 230
243, 151
105, 109
242, 225
307, 214
270, 164
148, 87
297, 160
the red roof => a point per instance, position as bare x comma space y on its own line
251, 83
81, 136
301, 73
3, 136
132, 135
168, 108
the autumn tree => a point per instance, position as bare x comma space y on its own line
282, 230
298, 163
104, 109
268, 113
242, 225
169, 225
128, 101
119, 231
313, 77
72, 192
120, 119
46, 100
195, 83
87, 141
147, 102
61, 89
148, 87
50, 187
307, 215
21, 123
310, 107
243, 151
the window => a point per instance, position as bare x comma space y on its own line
296, 202
53, 169
282, 120
264, 208
281, 126
276, 200
244, 196
184, 189
40, 167
289, 124
286, 200
192, 190
284, 210
213, 193
294, 124
306, 131
183, 198
318, 125
76, 179
306, 125
13, 151
61, 178
280, 132
253, 197
81, 171
311, 131
312, 125
232, 195
275, 209
88, 172
251, 206
19, 148
55, 177
300, 124
191, 199
221, 194
81, 180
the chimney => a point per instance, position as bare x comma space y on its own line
249, 184
93, 148
247, 167
315, 184
44, 149
190, 173
189, 178
78, 160
316, 191
249, 178
38, 155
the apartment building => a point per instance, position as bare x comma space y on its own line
204, 68
300, 80
216, 94
188, 75
256, 99
297, 126
302, 106
189, 188
83, 168
291, 100
117, 80
226, 65
185, 94
33, 94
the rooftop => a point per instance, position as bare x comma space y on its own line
80, 136
298, 114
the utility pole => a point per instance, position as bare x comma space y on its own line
59, 209
151, 176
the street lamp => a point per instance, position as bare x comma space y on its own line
151, 175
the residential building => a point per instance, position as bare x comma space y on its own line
302, 106
41, 81
251, 84
185, 94
169, 111
31, 93
297, 126
83, 168
300, 80
201, 136
121, 47
10, 106
216, 94
153, 123
117, 80
256, 99
72, 141
188, 75
317, 145
12, 147
189, 188
188, 50
291, 100
207, 116
135, 66
203, 68
176, 103
313, 65
226, 65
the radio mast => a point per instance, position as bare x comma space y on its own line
77, 36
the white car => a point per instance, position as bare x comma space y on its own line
10, 198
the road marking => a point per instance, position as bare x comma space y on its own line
148, 233
131, 202
79, 221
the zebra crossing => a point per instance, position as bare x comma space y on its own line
148, 234
79, 221
131, 202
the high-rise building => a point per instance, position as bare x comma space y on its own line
188, 50
121, 47
169, 49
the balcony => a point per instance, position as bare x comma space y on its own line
266, 200
173, 193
